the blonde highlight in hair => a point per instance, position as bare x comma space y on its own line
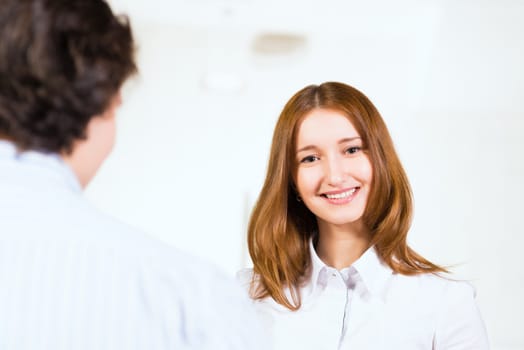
280, 227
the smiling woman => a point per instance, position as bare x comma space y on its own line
333, 173
328, 238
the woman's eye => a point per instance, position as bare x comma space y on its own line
309, 159
352, 150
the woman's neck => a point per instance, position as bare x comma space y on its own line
341, 246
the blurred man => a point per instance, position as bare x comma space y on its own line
71, 277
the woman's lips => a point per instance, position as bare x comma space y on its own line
341, 197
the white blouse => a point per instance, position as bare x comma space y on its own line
368, 306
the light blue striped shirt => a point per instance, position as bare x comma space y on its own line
74, 278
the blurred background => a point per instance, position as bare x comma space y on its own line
447, 76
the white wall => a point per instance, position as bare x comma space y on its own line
447, 76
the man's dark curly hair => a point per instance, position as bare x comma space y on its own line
61, 63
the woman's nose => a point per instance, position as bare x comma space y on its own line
334, 171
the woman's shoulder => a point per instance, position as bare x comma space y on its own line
436, 287
244, 278
266, 306
456, 313
446, 283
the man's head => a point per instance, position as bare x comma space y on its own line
62, 64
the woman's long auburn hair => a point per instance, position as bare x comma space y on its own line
280, 227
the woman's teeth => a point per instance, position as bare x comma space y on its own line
341, 195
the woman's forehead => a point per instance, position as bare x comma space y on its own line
325, 124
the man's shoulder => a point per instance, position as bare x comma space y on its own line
71, 221
135, 244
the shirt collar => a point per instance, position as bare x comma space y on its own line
47, 164
368, 272
373, 271
317, 266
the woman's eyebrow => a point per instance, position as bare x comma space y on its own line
306, 148
348, 139
341, 141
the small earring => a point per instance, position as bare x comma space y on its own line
298, 198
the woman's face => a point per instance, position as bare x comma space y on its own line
333, 174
